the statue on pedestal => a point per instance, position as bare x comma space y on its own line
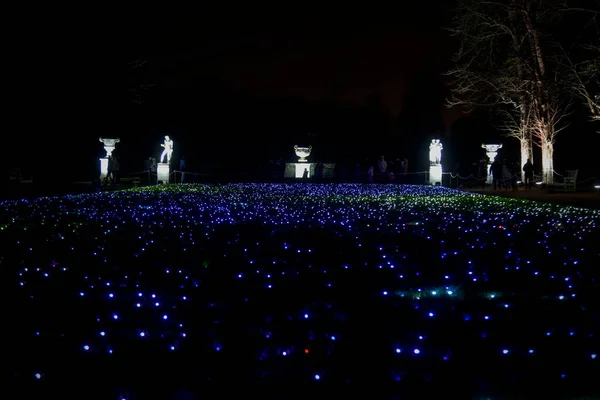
168, 149
302, 152
109, 145
491, 151
435, 152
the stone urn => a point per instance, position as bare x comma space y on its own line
302, 152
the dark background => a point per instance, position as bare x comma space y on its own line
241, 84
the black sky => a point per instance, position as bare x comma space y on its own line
70, 69
345, 53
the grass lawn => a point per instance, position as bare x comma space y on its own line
400, 287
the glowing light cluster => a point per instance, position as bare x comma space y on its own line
327, 283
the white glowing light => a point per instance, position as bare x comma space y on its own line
491, 151
435, 152
109, 147
168, 150
300, 168
163, 172
103, 167
435, 161
302, 152
435, 174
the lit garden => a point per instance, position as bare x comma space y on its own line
302, 286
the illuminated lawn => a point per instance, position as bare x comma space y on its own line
401, 286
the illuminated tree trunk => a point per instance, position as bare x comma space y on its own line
526, 152
547, 160
544, 132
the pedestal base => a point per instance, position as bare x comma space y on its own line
296, 170
300, 168
103, 168
163, 173
435, 174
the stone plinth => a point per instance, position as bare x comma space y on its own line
435, 174
300, 168
163, 173
103, 168
296, 170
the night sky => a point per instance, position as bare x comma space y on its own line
345, 57
75, 77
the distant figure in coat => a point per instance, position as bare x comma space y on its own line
528, 170
182, 168
496, 172
371, 174
505, 174
382, 165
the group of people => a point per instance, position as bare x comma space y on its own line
394, 168
505, 174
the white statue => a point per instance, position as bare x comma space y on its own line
435, 152
491, 151
168, 149
109, 145
302, 152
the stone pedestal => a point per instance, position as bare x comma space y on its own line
300, 168
296, 170
163, 173
103, 168
435, 174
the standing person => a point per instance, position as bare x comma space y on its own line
153, 170
182, 168
496, 172
382, 165
109, 169
115, 170
371, 174
528, 170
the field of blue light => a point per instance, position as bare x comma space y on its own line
406, 286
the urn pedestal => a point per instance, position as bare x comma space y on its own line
103, 168
163, 173
435, 174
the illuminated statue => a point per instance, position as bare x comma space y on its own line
435, 152
302, 152
491, 151
168, 149
109, 145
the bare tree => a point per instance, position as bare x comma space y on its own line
489, 68
584, 69
507, 61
